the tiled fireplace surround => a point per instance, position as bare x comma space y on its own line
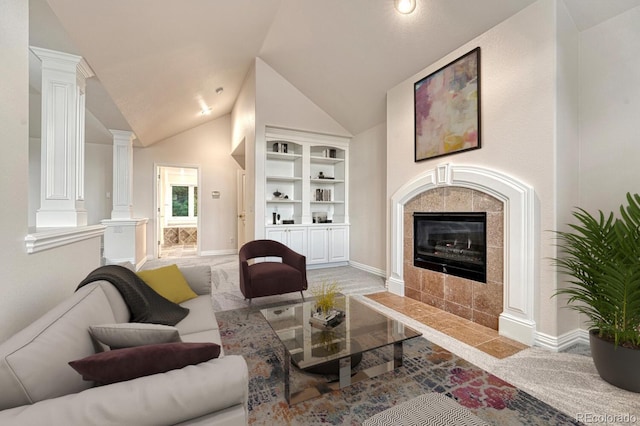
473, 300
510, 294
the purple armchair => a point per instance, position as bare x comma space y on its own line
270, 278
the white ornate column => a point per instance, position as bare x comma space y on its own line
125, 239
62, 165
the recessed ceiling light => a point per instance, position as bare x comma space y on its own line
405, 6
219, 90
206, 111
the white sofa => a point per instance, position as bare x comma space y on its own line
37, 386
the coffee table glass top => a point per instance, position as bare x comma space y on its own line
361, 329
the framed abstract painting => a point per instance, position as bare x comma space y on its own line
447, 109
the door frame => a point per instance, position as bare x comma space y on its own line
241, 208
156, 202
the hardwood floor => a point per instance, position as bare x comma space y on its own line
476, 335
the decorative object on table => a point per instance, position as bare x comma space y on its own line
447, 109
601, 255
328, 320
325, 295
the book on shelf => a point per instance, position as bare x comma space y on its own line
322, 194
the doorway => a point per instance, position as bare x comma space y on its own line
177, 209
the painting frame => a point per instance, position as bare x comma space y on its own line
446, 106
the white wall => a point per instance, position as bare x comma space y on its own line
567, 149
208, 147
243, 119
98, 181
368, 202
31, 284
518, 113
609, 112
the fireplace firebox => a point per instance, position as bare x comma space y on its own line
453, 243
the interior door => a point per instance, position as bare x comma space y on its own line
241, 182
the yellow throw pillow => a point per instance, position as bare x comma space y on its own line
169, 283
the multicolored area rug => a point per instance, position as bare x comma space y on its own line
426, 368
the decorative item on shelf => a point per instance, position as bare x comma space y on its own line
277, 195
288, 221
323, 194
322, 176
329, 153
319, 217
601, 254
281, 147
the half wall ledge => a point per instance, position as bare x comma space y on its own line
48, 238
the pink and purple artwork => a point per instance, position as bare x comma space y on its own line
447, 109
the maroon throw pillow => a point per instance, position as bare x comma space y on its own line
129, 363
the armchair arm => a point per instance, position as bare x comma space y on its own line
298, 261
161, 399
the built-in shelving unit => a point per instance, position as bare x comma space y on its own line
306, 193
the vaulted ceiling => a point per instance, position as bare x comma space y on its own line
158, 63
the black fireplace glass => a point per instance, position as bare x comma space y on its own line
454, 243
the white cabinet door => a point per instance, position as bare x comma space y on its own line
318, 246
278, 235
297, 240
338, 244
294, 238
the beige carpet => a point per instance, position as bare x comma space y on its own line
566, 381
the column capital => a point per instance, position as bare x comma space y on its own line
122, 135
61, 61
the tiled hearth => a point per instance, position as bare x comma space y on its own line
480, 337
478, 302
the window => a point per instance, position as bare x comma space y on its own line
184, 201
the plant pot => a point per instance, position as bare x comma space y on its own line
616, 364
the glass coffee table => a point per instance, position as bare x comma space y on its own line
334, 351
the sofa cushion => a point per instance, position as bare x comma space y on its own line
34, 362
201, 316
130, 334
169, 283
129, 363
198, 277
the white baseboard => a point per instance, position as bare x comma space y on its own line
218, 252
562, 342
367, 268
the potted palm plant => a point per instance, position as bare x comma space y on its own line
601, 254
